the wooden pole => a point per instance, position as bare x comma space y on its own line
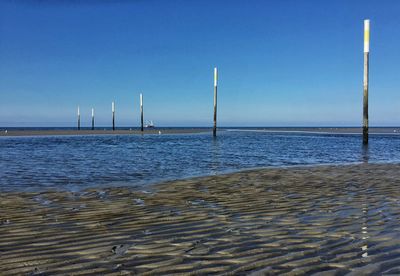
79, 119
366, 72
141, 112
92, 118
113, 115
215, 101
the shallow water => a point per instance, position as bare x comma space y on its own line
78, 162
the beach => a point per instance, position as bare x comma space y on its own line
199, 138
326, 219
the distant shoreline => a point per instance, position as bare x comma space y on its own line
13, 131
322, 130
70, 132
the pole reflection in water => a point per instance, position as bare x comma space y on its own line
365, 154
364, 226
216, 152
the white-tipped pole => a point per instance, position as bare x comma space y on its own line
366, 36
366, 76
92, 118
79, 119
113, 115
215, 101
141, 112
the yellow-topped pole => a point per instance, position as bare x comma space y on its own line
366, 75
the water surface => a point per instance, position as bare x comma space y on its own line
79, 162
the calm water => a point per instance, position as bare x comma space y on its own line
78, 162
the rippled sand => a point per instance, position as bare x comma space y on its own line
331, 220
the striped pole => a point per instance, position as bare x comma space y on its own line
215, 101
113, 115
79, 119
92, 118
366, 73
141, 112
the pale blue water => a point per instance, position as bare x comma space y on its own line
79, 162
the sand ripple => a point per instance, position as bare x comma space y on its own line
329, 220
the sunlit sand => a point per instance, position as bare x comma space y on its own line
301, 220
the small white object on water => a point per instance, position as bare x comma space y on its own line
6, 131
159, 132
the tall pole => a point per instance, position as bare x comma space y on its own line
113, 115
215, 101
92, 118
141, 112
366, 72
79, 119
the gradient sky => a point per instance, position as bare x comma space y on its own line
281, 63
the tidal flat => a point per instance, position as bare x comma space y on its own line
328, 220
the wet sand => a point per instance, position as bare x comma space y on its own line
56, 132
331, 220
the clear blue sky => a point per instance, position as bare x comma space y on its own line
280, 62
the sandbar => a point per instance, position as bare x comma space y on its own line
61, 132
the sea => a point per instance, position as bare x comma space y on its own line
75, 163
